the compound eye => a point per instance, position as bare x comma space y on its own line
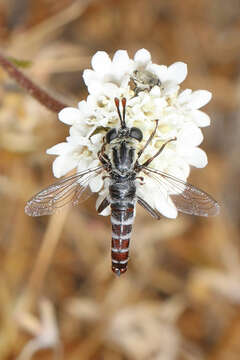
111, 135
136, 133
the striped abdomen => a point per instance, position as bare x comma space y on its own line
122, 194
122, 220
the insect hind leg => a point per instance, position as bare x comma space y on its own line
103, 205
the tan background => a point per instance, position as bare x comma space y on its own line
180, 297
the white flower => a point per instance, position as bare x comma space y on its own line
153, 93
169, 77
105, 71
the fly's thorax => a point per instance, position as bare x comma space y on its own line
131, 142
122, 154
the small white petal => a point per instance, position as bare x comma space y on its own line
111, 90
96, 183
199, 98
190, 135
165, 206
96, 139
184, 96
95, 88
178, 167
177, 72
101, 62
157, 197
69, 115
78, 132
142, 57
62, 165
156, 92
161, 71
169, 87
59, 149
89, 76
121, 58
94, 163
196, 157
201, 118
83, 163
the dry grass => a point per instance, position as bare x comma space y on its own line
180, 298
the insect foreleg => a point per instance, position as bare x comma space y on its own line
104, 159
149, 140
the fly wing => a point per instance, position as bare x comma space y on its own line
186, 197
70, 190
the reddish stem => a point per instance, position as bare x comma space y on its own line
34, 90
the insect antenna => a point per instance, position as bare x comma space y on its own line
124, 101
122, 118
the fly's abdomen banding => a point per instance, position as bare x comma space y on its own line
122, 204
122, 220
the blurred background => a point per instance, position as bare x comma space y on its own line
180, 299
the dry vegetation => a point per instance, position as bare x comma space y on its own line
180, 299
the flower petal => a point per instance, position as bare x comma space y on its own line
199, 98
159, 70
89, 76
95, 88
96, 183
157, 197
195, 157
59, 149
62, 165
69, 115
96, 139
101, 62
177, 72
121, 59
184, 96
165, 206
142, 57
201, 118
190, 135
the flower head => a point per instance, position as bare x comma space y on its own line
153, 93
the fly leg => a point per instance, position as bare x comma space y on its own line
146, 163
141, 178
149, 140
103, 205
104, 159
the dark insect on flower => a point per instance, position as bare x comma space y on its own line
125, 173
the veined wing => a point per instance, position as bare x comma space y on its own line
186, 197
72, 189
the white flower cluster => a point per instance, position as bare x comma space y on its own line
153, 93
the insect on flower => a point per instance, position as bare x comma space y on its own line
124, 173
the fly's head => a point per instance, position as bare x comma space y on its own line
123, 132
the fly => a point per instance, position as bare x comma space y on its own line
120, 163
143, 80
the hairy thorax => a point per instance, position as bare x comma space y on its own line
123, 157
